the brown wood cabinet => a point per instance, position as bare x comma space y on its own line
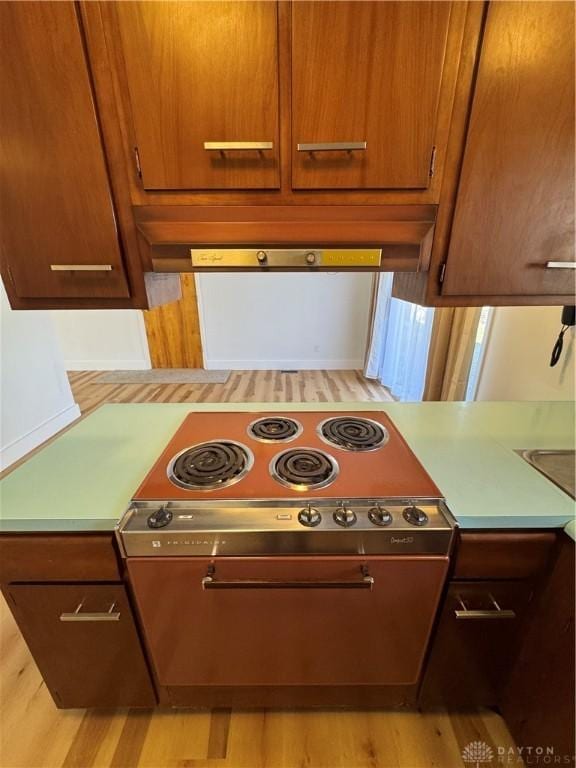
203, 84
366, 76
471, 655
280, 74
66, 593
481, 625
538, 700
67, 239
515, 211
119, 118
84, 641
511, 237
59, 237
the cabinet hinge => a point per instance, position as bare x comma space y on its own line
432, 162
10, 275
137, 161
441, 273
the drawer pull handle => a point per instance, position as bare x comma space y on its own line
77, 615
210, 582
81, 267
498, 613
226, 146
561, 265
332, 146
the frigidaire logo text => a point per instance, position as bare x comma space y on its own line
401, 539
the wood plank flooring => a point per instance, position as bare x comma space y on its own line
34, 734
242, 386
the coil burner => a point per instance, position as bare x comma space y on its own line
211, 465
275, 429
304, 469
353, 434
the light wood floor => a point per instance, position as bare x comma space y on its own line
242, 386
34, 734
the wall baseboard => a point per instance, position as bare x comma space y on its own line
284, 365
23, 445
107, 365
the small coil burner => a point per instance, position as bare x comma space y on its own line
207, 466
304, 469
274, 429
353, 434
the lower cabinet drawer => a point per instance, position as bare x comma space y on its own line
503, 555
476, 637
84, 641
45, 557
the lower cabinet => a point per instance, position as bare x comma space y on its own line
85, 643
538, 701
476, 639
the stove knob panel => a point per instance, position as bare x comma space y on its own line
309, 516
379, 516
159, 518
345, 517
415, 516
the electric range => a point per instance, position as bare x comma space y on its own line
246, 484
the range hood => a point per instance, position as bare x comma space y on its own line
391, 238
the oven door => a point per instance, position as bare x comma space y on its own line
287, 620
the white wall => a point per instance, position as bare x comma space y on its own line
35, 397
284, 321
101, 340
516, 363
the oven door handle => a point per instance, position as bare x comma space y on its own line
210, 582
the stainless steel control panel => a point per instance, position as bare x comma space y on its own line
348, 526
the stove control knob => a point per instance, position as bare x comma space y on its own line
262, 257
311, 258
309, 516
379, 516
159, 518
345, 516
415, 516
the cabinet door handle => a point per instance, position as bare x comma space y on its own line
77, 615
81, 267
209, 582
498, 613
224, 146
561, 265
332, 146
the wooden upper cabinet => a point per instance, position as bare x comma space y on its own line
56, 209
366, 72
198, 74
515, 206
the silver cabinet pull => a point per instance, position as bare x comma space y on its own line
223, 146
497, 613
561, 265
210, 582
81, 267
77, 615
332, 146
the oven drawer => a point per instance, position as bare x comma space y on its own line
287, 620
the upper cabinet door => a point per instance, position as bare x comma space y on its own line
203, 85
366, 75
513, 230
57, 231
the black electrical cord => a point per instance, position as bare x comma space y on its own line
557, 350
